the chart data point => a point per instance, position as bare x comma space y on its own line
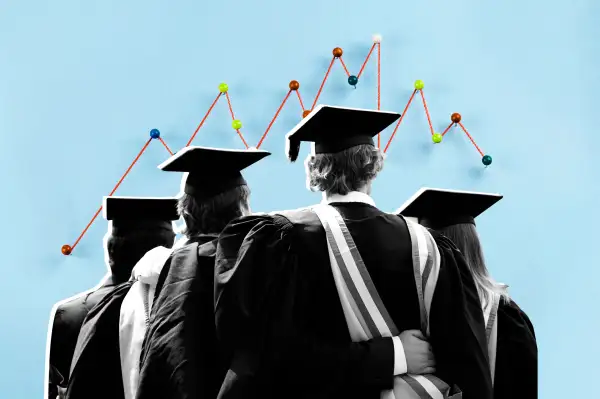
294, 85
376, 38
419, 85
223, 88
437, 138
236, 124
455, 117
66, 249
486, 160
305, 113
337, 52
352, 80
155, 133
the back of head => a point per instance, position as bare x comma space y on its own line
126, 247
211, 215
137, 225
466, 239
345, 157
342, 172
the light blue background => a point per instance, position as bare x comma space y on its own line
83, 82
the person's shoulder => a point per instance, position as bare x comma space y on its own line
510, 311
69, 312
72, 305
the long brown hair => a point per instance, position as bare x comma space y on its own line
465, 237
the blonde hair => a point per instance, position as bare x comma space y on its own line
466, 238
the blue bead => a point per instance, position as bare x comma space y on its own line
486, 160
154, 133
352, 80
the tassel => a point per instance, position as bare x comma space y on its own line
293, 149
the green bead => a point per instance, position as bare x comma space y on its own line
486, 160
223, 88
419, 84
236, 124
437, 138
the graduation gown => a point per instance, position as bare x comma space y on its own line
181, 357
67, 322
277, 308
96, 367
516, 375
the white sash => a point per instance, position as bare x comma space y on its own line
135, 313
490, 316
365, 313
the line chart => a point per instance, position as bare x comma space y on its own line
294, 91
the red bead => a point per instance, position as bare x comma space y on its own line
66, 249
294, 85
305, 113
337, 52
455, 117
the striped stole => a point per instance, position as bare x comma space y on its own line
490, 313
366, 316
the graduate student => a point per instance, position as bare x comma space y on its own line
302, 324
180, 356
137, 224
511, 338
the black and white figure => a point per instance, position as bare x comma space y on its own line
286, 313
173, 307
511, 338
136, 225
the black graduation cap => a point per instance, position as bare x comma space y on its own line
212, 170
140, 212
335, 129
439, 208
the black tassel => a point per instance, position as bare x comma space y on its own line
293, 149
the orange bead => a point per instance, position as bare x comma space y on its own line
337, 52
455, 117
66, 249
305, 113
294, 85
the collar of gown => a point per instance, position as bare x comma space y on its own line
352, 196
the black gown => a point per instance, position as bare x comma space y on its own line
277, 308
181, 357
96, 367
516, 375
67, 322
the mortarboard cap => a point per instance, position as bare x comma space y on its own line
439, 208
212, 171
335, 129
140, 212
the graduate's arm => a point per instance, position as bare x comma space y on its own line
457, 326
54, 382
255, 289
59, 364
519, 340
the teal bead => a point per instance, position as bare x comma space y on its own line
486, 160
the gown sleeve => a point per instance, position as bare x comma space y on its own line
58, 361
255, 314
517, 354
457, 326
